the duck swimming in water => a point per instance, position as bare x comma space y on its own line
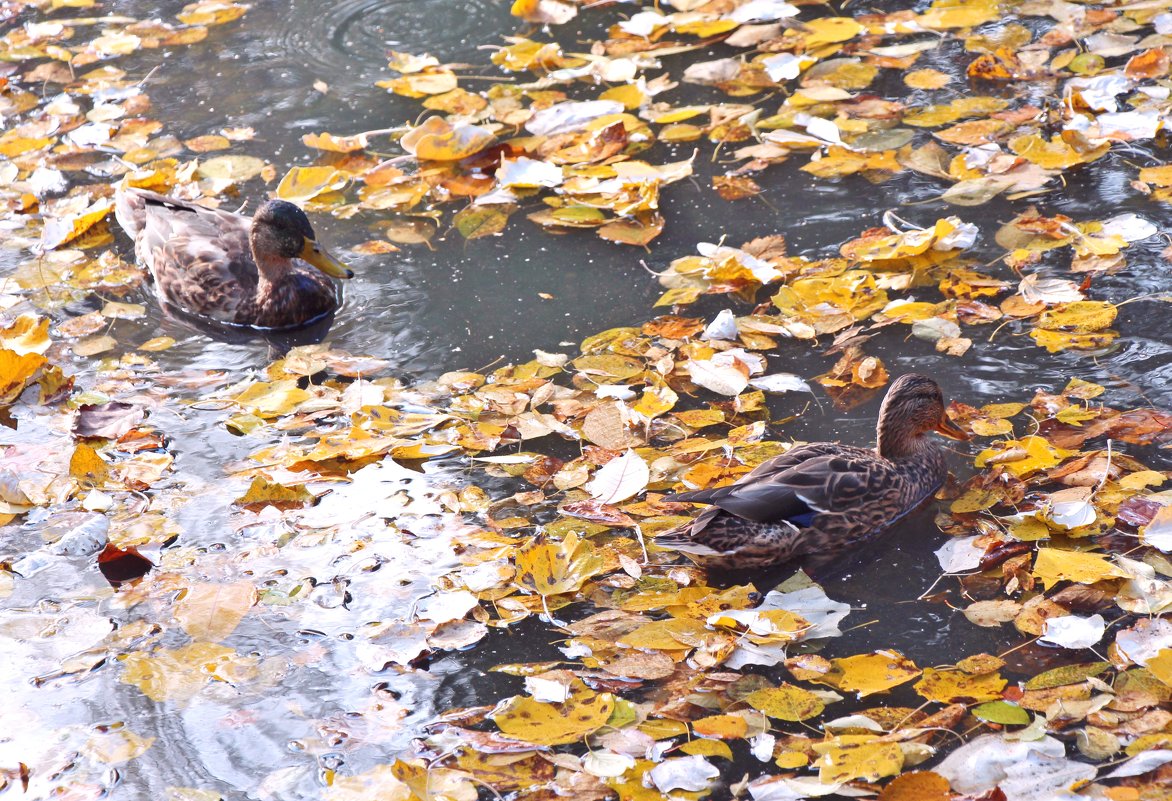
230, 268
824, 496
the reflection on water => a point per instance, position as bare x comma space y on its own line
318, 703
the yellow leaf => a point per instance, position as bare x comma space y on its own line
702, 747
59, 230
377, 784
1055, 341
675, 634
830, 30
1054, 565
334, 144
934, 116
1082, 316
849, 757
1160, 666
955, 686
304, 183
948, 14
116, 746
180, 674
1160, 175
212, 611
15, 372
264, 492
228, 170
1054, 154
28, 333
421, 84
211, 12
1022, 456
87, 467
918, 786
786, 702
540, 723
926, 79
273, 399
865, 674
553, 568
721, 727
630, 95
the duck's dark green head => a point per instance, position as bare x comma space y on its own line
280, 229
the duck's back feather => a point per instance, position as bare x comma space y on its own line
816, 497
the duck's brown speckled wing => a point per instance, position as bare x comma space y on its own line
821, 476
790, 505
200, 258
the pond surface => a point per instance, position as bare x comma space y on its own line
466, 306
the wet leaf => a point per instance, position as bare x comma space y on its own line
212, 611
552, 568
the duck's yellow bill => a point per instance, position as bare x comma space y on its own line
951, 430
319, 257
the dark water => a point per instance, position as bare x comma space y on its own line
467, 305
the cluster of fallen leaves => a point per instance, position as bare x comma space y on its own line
569, 126
671, 683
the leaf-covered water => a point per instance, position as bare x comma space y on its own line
413, 561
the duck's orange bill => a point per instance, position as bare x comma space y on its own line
951, 430
319, 257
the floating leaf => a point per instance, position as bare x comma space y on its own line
547, 567
786, 702
212, 611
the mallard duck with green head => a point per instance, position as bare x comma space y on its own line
236, 270
823, 497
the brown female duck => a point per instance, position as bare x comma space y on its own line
230, 268
824, 496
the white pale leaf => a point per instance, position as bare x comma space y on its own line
526, 173
799, 788
1141, 763
959, 555
1074, 512
443, 607
762, 11
853, 722
643, 24
980, 765
1158, 532
1041, 777
723, 379
761, 746
620, 478
812, 605
1072, 631
1131, 227
822, 128
1145, 639
785, 66
607, 764
548, 691
719, 71
570, 116
616, 391
777, 383
723, 326
691, 773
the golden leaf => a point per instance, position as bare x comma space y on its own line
583, 713
786, 702
1054, 565
212, 611
553, 568
857, 756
